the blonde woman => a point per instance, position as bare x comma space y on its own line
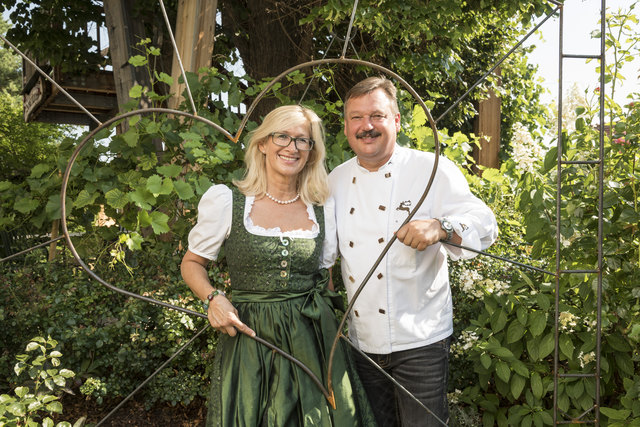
279, 240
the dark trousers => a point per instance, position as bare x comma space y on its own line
422, 371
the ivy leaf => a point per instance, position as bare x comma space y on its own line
142, 198
54, 407
183, 189
164, 77
144, 220
85, 198
159, 222
134, 241
138, 60
25, 205
116, 198
170, 171
131, 137
38, 170
135, 92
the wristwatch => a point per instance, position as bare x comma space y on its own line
445, 224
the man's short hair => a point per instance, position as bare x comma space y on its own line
370, 84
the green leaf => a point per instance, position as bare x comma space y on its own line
116, 198
517, 385
515, 331
38, 170
502, 352
135, 92
537, 322
134, 241
503, 371
550, 159
170, 171
138, 60
21, 391
85, 198
520, 368
566, 346
158, 186
536, 385
131, 137
25, 205
615, 414
142, 198
617, 342
165, 78
485, 360
498, 320
54, 407
16, 408
547, 345
159, 222
183, 189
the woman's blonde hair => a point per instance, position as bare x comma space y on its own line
312, 180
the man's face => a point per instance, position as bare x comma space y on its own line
371, 127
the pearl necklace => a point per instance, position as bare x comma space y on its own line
283, 202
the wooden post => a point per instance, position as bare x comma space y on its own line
487, 127
195, 31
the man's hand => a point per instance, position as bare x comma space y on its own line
421, 233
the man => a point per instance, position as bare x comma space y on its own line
403, 317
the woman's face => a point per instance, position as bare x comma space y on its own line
285, 162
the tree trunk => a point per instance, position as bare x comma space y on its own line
487, 127
195, 34
269, 38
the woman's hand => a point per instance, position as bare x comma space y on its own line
223, 316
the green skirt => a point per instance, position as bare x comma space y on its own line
255, 386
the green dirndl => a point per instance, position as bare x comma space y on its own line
280, 293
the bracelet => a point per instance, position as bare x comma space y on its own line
210, 298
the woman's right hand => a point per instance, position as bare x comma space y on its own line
223, 316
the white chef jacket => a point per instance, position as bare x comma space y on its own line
407, 301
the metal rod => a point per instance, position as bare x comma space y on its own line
187, 344
393, 380
497, 64
91, 273
177, 53
558, 213
46, 76
579, 56
581, 162
30, 249
530, 267
346, 40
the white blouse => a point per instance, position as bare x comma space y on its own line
214, 224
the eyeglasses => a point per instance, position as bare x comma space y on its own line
283, 140
376, 118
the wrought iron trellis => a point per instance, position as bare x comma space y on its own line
343, 60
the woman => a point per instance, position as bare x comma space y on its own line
273, 231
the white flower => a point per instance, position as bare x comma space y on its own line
524, 150
568, 321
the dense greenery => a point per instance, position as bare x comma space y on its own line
129, 212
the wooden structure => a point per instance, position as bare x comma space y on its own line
487, 127
43, 102
195, 34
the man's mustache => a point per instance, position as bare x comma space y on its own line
372, 133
